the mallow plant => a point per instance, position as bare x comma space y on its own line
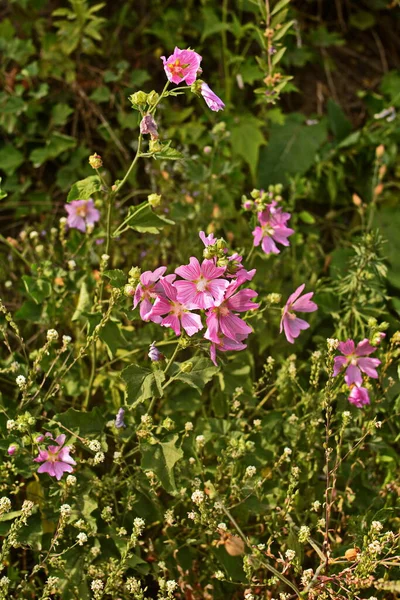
176, 423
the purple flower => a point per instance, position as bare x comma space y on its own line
81, 213
355, 360
182, 65
359, 396
154, 354
177, 313
290, 323
273, 229
56, 459
211, 99
119, 419
149, 126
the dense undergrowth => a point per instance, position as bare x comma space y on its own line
199, 315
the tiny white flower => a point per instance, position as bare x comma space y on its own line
189, 426
52, 335
81, 538
251, 471
71, 480
198, 497
20, 381
222, 526
290, 554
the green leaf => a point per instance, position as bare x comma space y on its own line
202, 372
277, 57
362, 19
142, 218
338, 123
83, 423
278, 6
116, 276
161, 458
142, 383
55, 145
38, 289
60, 113
282, 31
246, 139
84, 302
291, 150
10, 159
2, 194
84, 189
168, 153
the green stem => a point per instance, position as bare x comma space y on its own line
16, 252
153, 108
171, 360
120, 228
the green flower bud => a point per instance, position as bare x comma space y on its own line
152, 98
221, 244
138, 98
255, 194
154, 200
187, 367
279, 188
155, 146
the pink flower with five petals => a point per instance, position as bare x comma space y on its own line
148, 289
356, 359
177, 313
290, 323
272, 229
56, 459
182, 65
81, 213
202, 287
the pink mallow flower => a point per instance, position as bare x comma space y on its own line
359, 396
222, 320
202, 287
211, 99
355, 359
273, 229
148, 289
290, 323
177, 313
182, 65
81, 213
208, 240
224, 345
56, 459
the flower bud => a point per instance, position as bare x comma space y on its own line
248, 204
155, 146
95, 161
380, 150
255, 194
129, 290
351, 553
154, 354
187, 367
152, 98
138, 98
154, 200
11, 450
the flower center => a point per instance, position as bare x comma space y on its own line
82, 210
176, 68
291, 315
268, 229
176, 309
52, 456
201, 284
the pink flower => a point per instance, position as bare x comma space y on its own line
182, 65
147, 290
56, 459
202, 287
149, 126
81, 213
355, 360
208, 240
12, 449
177, 313
224, 345
273, 229
222, 320
291, 324
211, 99
359, 396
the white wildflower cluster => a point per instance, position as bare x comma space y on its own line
97, 587
107, 514
191, 515
316, 505
94, 445
188, 426
52, 335
81, 538
251, 471
26, 510
71, 480
375, 548
5, 505
98, 458
248, 596
146, 420
304, 534
332, 343
138, 526
306, 577
65, 510
219, 575
198, 497
71, 265
4, 583
346, 417
376, 526
169, 517
290, 554
134, 586
222, 526
257, 423
21, 382
321, 523
284, 596
200, 441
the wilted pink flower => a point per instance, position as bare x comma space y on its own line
177, 313
222, 320
273, 229
154, 354
290, 323
359, 396
354, 359
224, 345
203, 286
182, 65
56, 459
211, 99
149, 126
119, 419
81, 213
147, 290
